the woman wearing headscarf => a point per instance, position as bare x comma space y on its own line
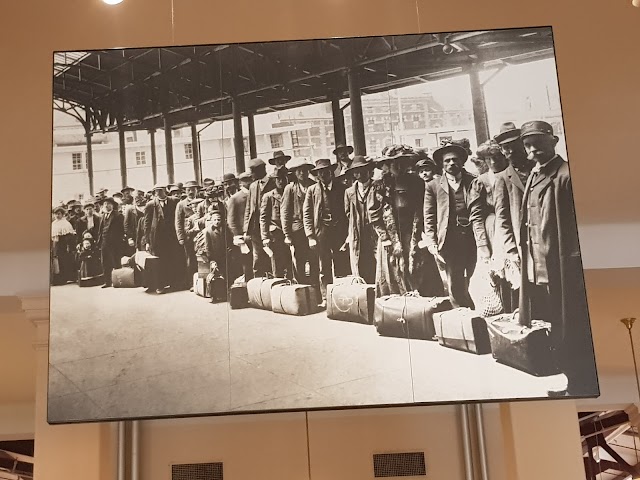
63, 246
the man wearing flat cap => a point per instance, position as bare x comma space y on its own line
362, 237
293, 220
184, 210
162, 241
448, 231
271, 226
110, 239
552, 277
261, 185
325, 224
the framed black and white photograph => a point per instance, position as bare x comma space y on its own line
313, 224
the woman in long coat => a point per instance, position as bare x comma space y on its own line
395, 211
63, 245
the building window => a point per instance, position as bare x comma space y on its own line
295, 141
276, 140
141, 158
188, 151
76, 161
418, 142
131, 136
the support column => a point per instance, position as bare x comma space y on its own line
238, 140
87, 134
154, 158
123, 157
195, 148
168, 141
339, 131
480, 119
253, 150
357, 121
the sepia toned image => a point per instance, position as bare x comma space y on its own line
313, 224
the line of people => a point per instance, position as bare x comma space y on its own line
405, 221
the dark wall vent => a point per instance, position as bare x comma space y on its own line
409, 464
197, 471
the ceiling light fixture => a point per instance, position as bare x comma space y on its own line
116, 2
635, 3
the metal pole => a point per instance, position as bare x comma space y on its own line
238, 140
154, 159
87, 133
197, 166
135, 450
479, 106
482, 448
253, 149
121, 451
357, 122
466, 442
168, 140
123, 157
339, 131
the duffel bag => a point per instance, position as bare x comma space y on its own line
348, 280
238, 297
351, 302
408, 316
123, 277
462, 329
521, 347
294, 299
259, 291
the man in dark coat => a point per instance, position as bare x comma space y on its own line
131, 216
261, 185
325, 224
343, 162
162, 241
110, 239
271, 227
236, 205
448, 232
89, 223
552, 278
291, 212
362, 237
184, 211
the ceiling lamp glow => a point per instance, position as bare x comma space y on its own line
635, 3
112, 2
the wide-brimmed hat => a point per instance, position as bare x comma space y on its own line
537, 127
360, 161
59, 208
323, 163
112, 201
342, 146
298, 162
278, 155
208, 181
174, 188
228, 177
255, 163
399, 151
159, 186
89, 202
450, 147
127, 189
246, 175
190, 184
117, 194
73, 203
508, 133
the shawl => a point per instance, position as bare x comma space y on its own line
61, 227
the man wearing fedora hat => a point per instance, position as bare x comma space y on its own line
261, 185
325, 224
448, 231
271, 226
162, 241
110, 239
279, 159
362, 237
184, 210
343, 162
552, 278
293, 219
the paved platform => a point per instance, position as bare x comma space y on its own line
123, 353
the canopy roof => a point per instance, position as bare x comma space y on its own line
137, 88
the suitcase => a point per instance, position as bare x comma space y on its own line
216, 287
238, 297
259, 291
462, 329
294, 299
524, 348
124, 277
408, 316
200, 286
351, 302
